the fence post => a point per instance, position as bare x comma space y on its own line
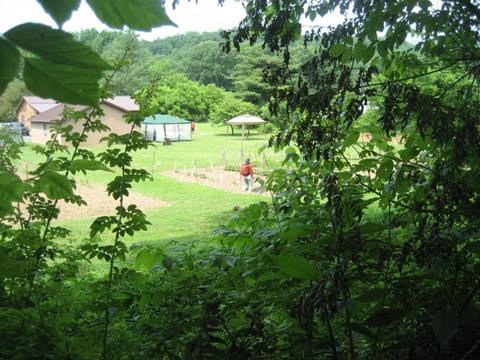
224, 155
153, 164
194, 168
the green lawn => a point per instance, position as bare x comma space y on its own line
194, 210
210, 146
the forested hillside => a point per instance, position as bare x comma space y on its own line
198, 57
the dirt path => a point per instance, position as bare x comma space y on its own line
99, 203
214, 176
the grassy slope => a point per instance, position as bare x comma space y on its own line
194, 210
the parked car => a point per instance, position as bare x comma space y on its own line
17, 126
13, 130
21, 127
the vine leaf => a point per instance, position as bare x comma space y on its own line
54, 185
385, 169
60, 11
360, 51
371, 228
295, 266
136, 14
11, 190
56, 46
9, 63
337, 50
88, 165
64, 83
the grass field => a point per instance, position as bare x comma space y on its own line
194, 210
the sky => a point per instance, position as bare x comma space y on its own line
207, 15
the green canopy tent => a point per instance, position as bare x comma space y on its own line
162, 128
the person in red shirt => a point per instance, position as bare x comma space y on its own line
192, 125
246, 171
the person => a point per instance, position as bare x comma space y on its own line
192, 125
246, 171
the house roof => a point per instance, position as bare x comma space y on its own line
125, 103
164, 119
246, 119
39, 104
55, 113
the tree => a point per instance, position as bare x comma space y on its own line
11, 98
229, 107
248, 74
206, 63
177, 95
391, 251
170, 45
122, 47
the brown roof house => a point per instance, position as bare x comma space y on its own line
114, 109
29, 106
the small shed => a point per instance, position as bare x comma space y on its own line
166, 127
245, 121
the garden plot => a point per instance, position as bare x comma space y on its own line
213, 176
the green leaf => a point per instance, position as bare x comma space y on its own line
136, 14
351, 138
296, 266
347, 40
409, 153
12, 186
382, 49
54, 185
9, 267
262, 148
347, 55
49, 165
362, 330
445, 325
360, 51
60, 11
371, 228
369, 53
11, 190
64, 83
371, 295
366, 164
372, 35
385, 169
270, 277
56, 46
473, 247
88, 165
337, 50
385, 317
149, 257
9, 63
